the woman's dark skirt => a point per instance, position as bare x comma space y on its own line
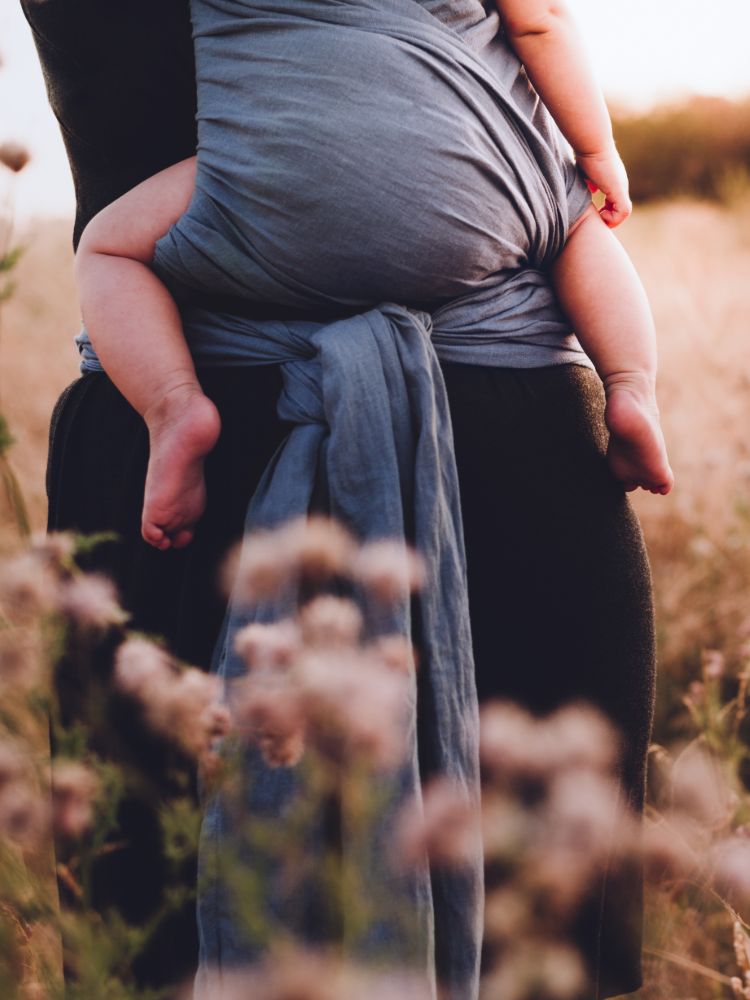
559, 589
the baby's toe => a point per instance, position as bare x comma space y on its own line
152, 533
182, 538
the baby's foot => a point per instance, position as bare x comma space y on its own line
637, 453
183, 427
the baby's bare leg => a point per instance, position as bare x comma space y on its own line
135, 328
603, 297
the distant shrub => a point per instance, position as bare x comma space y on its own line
699, 148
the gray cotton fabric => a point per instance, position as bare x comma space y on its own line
386, 159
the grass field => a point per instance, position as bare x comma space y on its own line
694, 259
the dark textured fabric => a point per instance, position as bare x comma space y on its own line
550, 539
121, 82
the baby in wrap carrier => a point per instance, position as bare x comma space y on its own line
358, 152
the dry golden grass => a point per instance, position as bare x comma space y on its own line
37, 355
694, 259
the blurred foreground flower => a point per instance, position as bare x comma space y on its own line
75, 788
181, 704
23, 815
14, 156
445, 828
296, 974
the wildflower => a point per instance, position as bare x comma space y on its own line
582, 737
713, 664
696, 694
575, 832
22, 814
394, 652
354, 706
14, 156
256, 570
507, 914
389, 570
75, 788
12, 764
320, 547
506, 827
27, 587
56, 549
296, 974
741, 943
581, 810
142, 669
444, 827
699, 790
511, 745
267, 711
330, 621
538, 968
731, 867
190, 712
666, 850
313, 549
264, 646
181, 704
91, 601
19, 661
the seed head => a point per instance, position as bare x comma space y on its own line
330, 622
389, 570
91, 601
75, 788
14, 156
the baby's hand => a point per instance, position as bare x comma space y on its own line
605, 172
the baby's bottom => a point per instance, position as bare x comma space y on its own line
604, 299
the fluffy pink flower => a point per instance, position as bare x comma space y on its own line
395, 652
75, 788
354, 706
329, 621
143, 669
511, 745
444, 827
91, 601
314, 549
27, 586
266, 710
699, 788
268, 646
183, 705
389, 570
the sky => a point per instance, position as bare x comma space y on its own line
643, 51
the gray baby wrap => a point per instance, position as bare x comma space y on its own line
369, 155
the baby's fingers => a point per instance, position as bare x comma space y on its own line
614, 213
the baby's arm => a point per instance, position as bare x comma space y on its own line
135, 327
545, 37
